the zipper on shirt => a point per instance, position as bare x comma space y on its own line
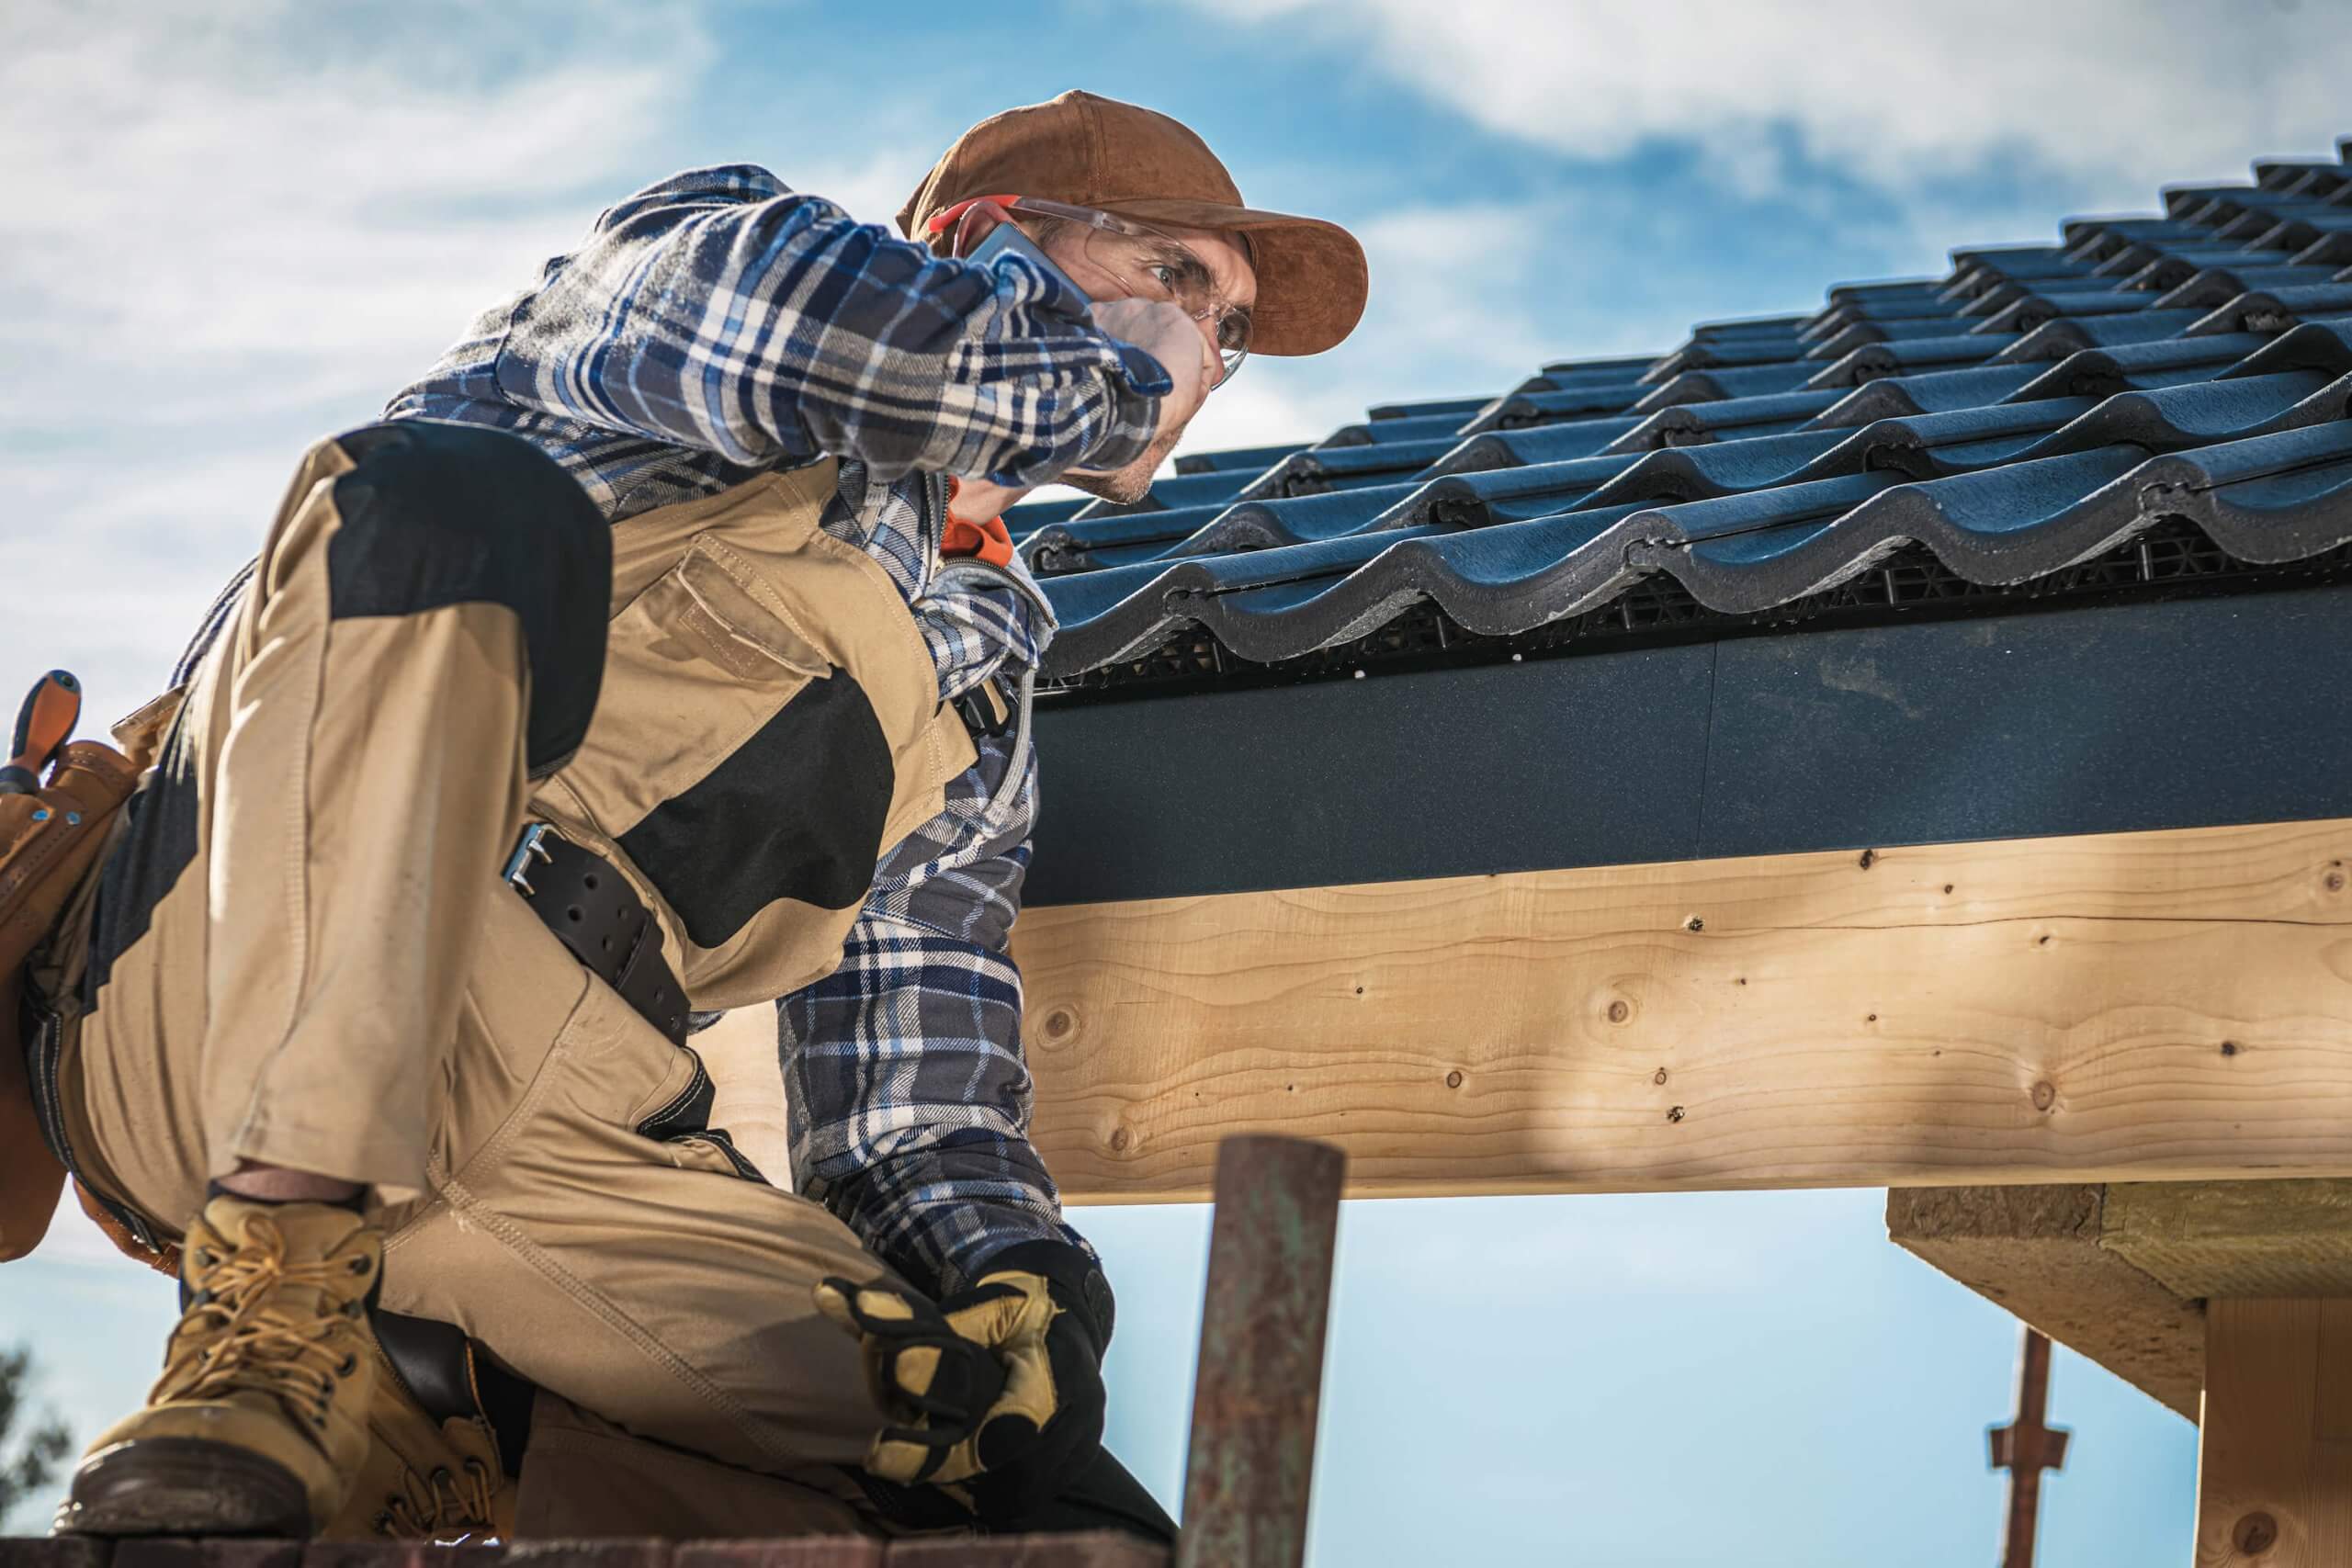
934, 528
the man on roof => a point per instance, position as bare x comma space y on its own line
660, 654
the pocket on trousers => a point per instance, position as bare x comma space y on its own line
694, 666
680, 1118
731, 762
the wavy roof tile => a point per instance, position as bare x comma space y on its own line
2184, 380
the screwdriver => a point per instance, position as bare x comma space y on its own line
43, 725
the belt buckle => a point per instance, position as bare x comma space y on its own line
529, 845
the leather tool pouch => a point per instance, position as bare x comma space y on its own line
48, 842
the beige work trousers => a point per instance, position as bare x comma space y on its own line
337, 981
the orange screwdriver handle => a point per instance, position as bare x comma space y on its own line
43, 725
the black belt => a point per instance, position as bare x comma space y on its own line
594, 911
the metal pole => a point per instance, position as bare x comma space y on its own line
2026, 1447
1260, 1376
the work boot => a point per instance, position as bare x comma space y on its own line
259, 1421
423, 1479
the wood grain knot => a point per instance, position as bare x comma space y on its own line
1059, 1023
1870, 859
2045, 1094
2255, 1532
1694, 924
1619, 1012
1453, 1078
1120, 1139
1675, 1113
1658, 1077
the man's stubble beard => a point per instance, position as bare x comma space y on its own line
1125, 487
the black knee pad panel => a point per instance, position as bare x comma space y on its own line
435, 514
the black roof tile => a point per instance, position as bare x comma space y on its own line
1927, 391
1875, 359
1511, 495
1523, 408
1412, 428
2220, 285
1254, 459
1727, 418
1566, 372
1701, 354
2096, 372
1322, 468
2069, 334
1031, 515
2304, 178
1463, 407
1185, 489
2037, 409
1540, 444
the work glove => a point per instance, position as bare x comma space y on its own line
994, 1394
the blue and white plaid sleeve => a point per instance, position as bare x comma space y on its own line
909, 1098
721, 311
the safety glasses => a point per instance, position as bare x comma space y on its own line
1138, 260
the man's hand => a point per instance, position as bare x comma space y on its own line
1173, 338
994, 1394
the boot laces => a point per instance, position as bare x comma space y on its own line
255, 1341
446, 1499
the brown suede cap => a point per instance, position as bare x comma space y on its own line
1096, 152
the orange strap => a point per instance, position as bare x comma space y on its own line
987, 540
946, 215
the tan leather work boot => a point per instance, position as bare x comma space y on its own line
259, 1422
423, 1479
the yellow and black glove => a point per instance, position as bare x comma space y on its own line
994, 1394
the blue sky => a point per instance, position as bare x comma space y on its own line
235, 225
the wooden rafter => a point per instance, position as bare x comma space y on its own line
2124, 1274
2164, 1005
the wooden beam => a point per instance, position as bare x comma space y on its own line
2274, 1474
740, 1052
2035, 1251
2251, 1238
2173, 1005
2120, 1273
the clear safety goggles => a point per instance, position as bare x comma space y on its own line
1138, 260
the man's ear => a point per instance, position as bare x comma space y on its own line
980, 221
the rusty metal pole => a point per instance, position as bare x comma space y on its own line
2026, 1447
1260, 1382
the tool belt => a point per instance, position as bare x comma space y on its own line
58, 800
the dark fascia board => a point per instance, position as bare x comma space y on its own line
2170, 714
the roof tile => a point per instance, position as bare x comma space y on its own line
2037, 408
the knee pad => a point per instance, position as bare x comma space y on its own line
434, 513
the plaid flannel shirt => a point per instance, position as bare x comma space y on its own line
716, 325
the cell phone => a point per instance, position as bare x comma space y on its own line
1006, 239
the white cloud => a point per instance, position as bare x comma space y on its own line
205, 209
2115, 95
230, 226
